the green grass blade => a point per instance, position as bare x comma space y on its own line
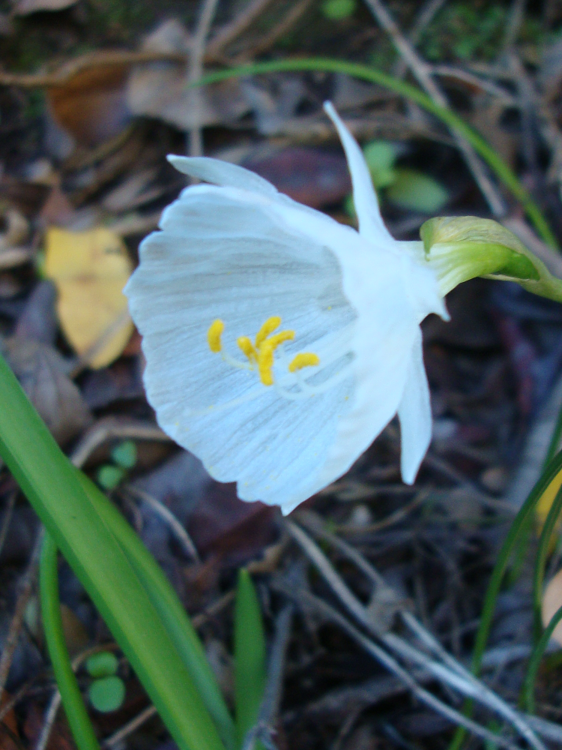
519, 526
325, 64
249, 656
534, 663
74, 707
51, 484
170, 609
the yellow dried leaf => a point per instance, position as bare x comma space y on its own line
545, 503
551, 603
90, 270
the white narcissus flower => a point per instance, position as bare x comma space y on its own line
280, 343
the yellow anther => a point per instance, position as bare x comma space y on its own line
214, 336
248, 348
265, 363
268, 327
304, 359
279, 338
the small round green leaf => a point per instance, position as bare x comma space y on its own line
110, 476
125, 454
337, 10
380, 157
417, 192
107, 694
103, 664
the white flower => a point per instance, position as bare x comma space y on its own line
279, 343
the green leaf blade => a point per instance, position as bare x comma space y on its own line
249, 655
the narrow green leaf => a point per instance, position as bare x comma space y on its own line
249, 655
74, 708
169, 608
51, 484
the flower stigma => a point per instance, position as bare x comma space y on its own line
261, 353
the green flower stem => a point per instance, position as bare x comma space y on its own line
173, 615
534, 663
74, 707
331, 65
519, 526
52, 486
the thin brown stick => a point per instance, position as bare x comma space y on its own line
195, 70
131, 726
235, 28
393, 666
422, 72
450, 71
280, 30
112, 428
422, 21
450, 672
513, 26
169, 519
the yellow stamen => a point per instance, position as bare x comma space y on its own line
279, 338
248, 348
304, 359
214, 336
268, 327
265, 363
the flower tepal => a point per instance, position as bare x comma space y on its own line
279, 343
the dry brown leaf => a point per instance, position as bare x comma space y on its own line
41, 371
551, 603
90, 270
91, 105
160, 89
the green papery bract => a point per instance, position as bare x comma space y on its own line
464, 247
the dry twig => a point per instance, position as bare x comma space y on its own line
450, 672
195, 69
169, 519
293, 15
235, 28
111, 428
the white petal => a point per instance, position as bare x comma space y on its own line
221, 173
414, 413
422, 285
371, 224
384, 334
225, 256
